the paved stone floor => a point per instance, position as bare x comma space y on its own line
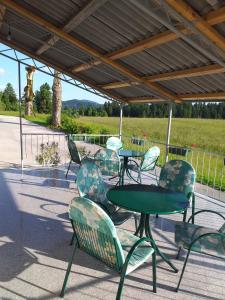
34, 247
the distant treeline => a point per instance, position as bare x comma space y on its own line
186, 110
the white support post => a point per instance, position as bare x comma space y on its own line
121, 121
168, 130
20, 116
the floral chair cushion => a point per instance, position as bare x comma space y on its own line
90, 184
114, 143
150, 159
178, 175
214, 245
108, 161
97, 235
95, 232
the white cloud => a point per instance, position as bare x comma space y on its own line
2, 71
2, 87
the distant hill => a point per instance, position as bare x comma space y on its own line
75, 103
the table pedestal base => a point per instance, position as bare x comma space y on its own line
144, 227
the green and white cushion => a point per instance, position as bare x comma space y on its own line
150, 159
97, 235
108, 161
91, 184
114, 143
214, 245
179, 176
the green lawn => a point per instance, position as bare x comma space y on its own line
9, 113
202, 133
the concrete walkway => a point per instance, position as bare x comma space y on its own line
10, 138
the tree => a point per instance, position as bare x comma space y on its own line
9, 98
28, 91
43, 99
57, 100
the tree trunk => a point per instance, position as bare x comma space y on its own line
29, 95
57, 100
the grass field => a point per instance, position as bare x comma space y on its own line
202, 133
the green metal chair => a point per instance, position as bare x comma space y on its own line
74, 153
90, 184
114, 143
147, 164
96, 235
179, 176
199, 239
109, 162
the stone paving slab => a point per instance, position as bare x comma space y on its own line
34, 247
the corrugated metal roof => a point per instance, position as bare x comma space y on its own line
115, 25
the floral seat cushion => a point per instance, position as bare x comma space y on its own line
141, 254
214, 245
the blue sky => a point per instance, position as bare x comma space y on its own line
9, 73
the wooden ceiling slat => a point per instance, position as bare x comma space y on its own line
79, 17
154, 87
212, 18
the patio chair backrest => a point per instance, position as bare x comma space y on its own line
179, 176
222, 229
90, 184
114, 143
74, 153
150, 159
108, 161
96, 233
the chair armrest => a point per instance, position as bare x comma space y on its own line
135, 246
132, 160
219, 234
203, 211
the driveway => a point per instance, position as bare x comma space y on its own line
10, 138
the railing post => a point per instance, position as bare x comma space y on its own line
168, 130
121, 121
20, 113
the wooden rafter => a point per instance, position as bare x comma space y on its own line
212, 18
2, 14
54, 65
163, 92
193, 72
185, 97
79, 17
192, 16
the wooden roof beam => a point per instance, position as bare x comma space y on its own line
193, 72
186, 11
54, 65
186, 97
213, 18
79, 17
2, 14
154, 87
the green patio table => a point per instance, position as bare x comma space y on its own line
126, 154
147, 200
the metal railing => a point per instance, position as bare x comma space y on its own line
209, 166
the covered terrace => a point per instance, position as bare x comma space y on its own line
146, 51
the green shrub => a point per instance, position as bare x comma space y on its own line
49, 154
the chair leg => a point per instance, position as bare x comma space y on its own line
178, 253
68, 168
137, 221
182, 273
193, 207
120, 287
72, 240
68, 272
185, 215
154, 271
